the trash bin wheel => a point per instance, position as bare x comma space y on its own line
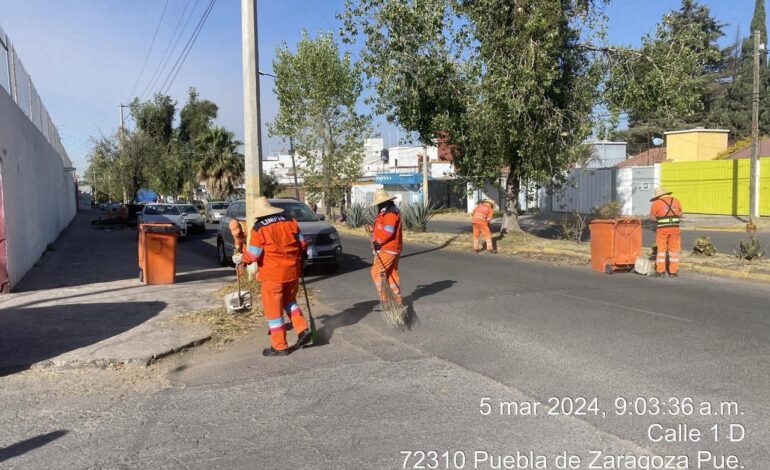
607, 269
141, 276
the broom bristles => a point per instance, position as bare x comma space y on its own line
393, 311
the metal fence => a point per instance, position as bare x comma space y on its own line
15, 80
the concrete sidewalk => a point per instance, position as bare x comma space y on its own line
83, 303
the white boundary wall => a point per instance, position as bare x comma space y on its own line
38, 190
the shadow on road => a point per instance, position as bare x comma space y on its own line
435, 248
31, 335
21, 448
350, 263
349, 316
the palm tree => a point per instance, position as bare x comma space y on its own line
221, 166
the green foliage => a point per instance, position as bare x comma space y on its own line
608, 210
221, 166
157, 155
270, 185
703, 246
360, 214
196, 118
749, 248
416, 215
410, 57
317, 91
668, 80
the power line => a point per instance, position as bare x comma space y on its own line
147, 57
188, 47
169, 51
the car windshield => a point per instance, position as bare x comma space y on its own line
188, 209
297, 211
161, 210
219, 205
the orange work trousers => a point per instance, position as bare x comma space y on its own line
387, 264
279, 298
669, 241
481, 230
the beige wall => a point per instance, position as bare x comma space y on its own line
695, 146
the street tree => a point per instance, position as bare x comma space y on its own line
221, 166
155, 123
317, 91
195, 120
525, 77
691, 34
412, 61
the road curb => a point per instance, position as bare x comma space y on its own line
143, 360
586, 256
727, 272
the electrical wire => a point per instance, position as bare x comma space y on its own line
188, 47
169, 51
147, 57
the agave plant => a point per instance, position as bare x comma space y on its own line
359, 214
749, 249
703, 246
416, 216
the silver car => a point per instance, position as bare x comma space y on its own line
324, 245
163, 214
215, 210
193, 218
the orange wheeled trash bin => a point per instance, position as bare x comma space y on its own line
615, 244
157, 253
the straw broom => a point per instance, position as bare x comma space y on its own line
392, 310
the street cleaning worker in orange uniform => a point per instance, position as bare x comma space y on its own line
277, 246
480, 219
387, 242
666, 211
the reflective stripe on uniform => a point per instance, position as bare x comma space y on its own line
275, 324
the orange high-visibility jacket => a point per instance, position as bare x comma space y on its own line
482, 214
276, 245
387, 230
666, 210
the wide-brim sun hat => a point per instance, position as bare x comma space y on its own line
264, 208
659, 192
382, 196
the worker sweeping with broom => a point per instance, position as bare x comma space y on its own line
276, 246
386, 240
480, 219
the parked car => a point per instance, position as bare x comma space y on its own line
324, 245
156, 213
193, 218
215, 210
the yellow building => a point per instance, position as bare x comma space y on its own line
695, 145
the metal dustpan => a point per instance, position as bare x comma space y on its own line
238, 302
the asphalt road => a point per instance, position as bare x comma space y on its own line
724, 242
492, 336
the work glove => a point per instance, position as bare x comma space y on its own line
237, 259
377, 246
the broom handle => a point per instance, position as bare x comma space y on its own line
377, 254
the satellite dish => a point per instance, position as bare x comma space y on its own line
657, 141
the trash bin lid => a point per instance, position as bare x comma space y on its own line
160, 228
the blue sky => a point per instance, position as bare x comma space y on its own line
85, 55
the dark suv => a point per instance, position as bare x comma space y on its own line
324, 246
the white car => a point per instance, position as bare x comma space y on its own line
193, 218
163, 214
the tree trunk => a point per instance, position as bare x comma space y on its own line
511, 204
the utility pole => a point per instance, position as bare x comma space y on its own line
754, 174
251, 117
425, 174
122, 122
294, 166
